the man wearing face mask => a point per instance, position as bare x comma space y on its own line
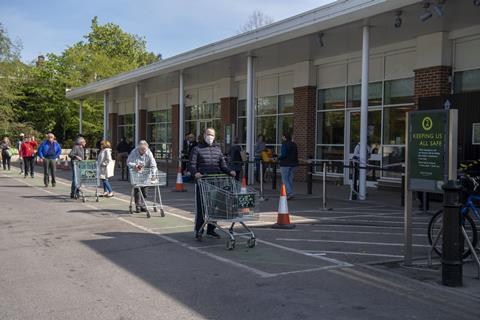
206, 158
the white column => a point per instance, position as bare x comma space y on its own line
80, 118
105, 114
181, 114
250, 116
364, 115
137, 113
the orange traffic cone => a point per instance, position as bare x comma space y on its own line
283, 217
179, 183
243, 188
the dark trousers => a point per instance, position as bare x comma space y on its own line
28, 165
49, 170
199, 216
73, 187
6, 161
138, 199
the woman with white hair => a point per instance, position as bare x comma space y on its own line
141, 157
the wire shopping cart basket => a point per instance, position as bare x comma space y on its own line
86, 175
148, 178
223, 199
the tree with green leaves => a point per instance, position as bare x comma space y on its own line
12, 73
105, 51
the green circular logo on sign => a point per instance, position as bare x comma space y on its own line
427, 123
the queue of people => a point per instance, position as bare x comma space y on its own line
201, 158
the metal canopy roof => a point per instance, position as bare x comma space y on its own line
323, 18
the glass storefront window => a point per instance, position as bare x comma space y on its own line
330, 127
285, 124
266, 105
285, 103
393, 155
333, 98
268, 127
126, 127
241, 108
467, 81
399, 91
331, 153
354, 94
394, 125
159, 132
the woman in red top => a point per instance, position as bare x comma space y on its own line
27, 152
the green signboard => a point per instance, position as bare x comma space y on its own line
428, 150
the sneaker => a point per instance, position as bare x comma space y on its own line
53, 184
143, 209
198, 236
213, 234
46, 185
109, 195
138, 209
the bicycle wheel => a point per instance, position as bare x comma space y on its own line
435, 232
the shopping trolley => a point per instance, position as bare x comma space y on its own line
86, 175
223, 199
152, 178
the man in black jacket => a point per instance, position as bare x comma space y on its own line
206, 158
288, 161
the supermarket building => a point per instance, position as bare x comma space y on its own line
304, 75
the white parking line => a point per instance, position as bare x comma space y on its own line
351, 242
363, 226
366, 232
357, 254
380, 221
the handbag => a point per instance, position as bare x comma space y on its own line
110, 169
12, 152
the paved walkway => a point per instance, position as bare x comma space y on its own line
342, 263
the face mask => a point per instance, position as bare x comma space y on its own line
209, 140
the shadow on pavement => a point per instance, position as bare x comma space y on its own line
212, 289
101, 211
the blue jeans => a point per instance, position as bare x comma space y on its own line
287, 178
106, 186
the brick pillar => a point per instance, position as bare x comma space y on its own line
304, 100
143, 124
228, 111
432, 82
113, 129
175, 126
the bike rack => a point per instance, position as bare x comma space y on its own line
470, 246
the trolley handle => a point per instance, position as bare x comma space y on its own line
213, 175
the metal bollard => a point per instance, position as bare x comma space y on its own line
310, 175
452, 241
324, 187
274, 178
261, 181
402, 191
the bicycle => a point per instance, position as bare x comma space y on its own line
469, 209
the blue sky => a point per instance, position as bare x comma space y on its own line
170, 27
